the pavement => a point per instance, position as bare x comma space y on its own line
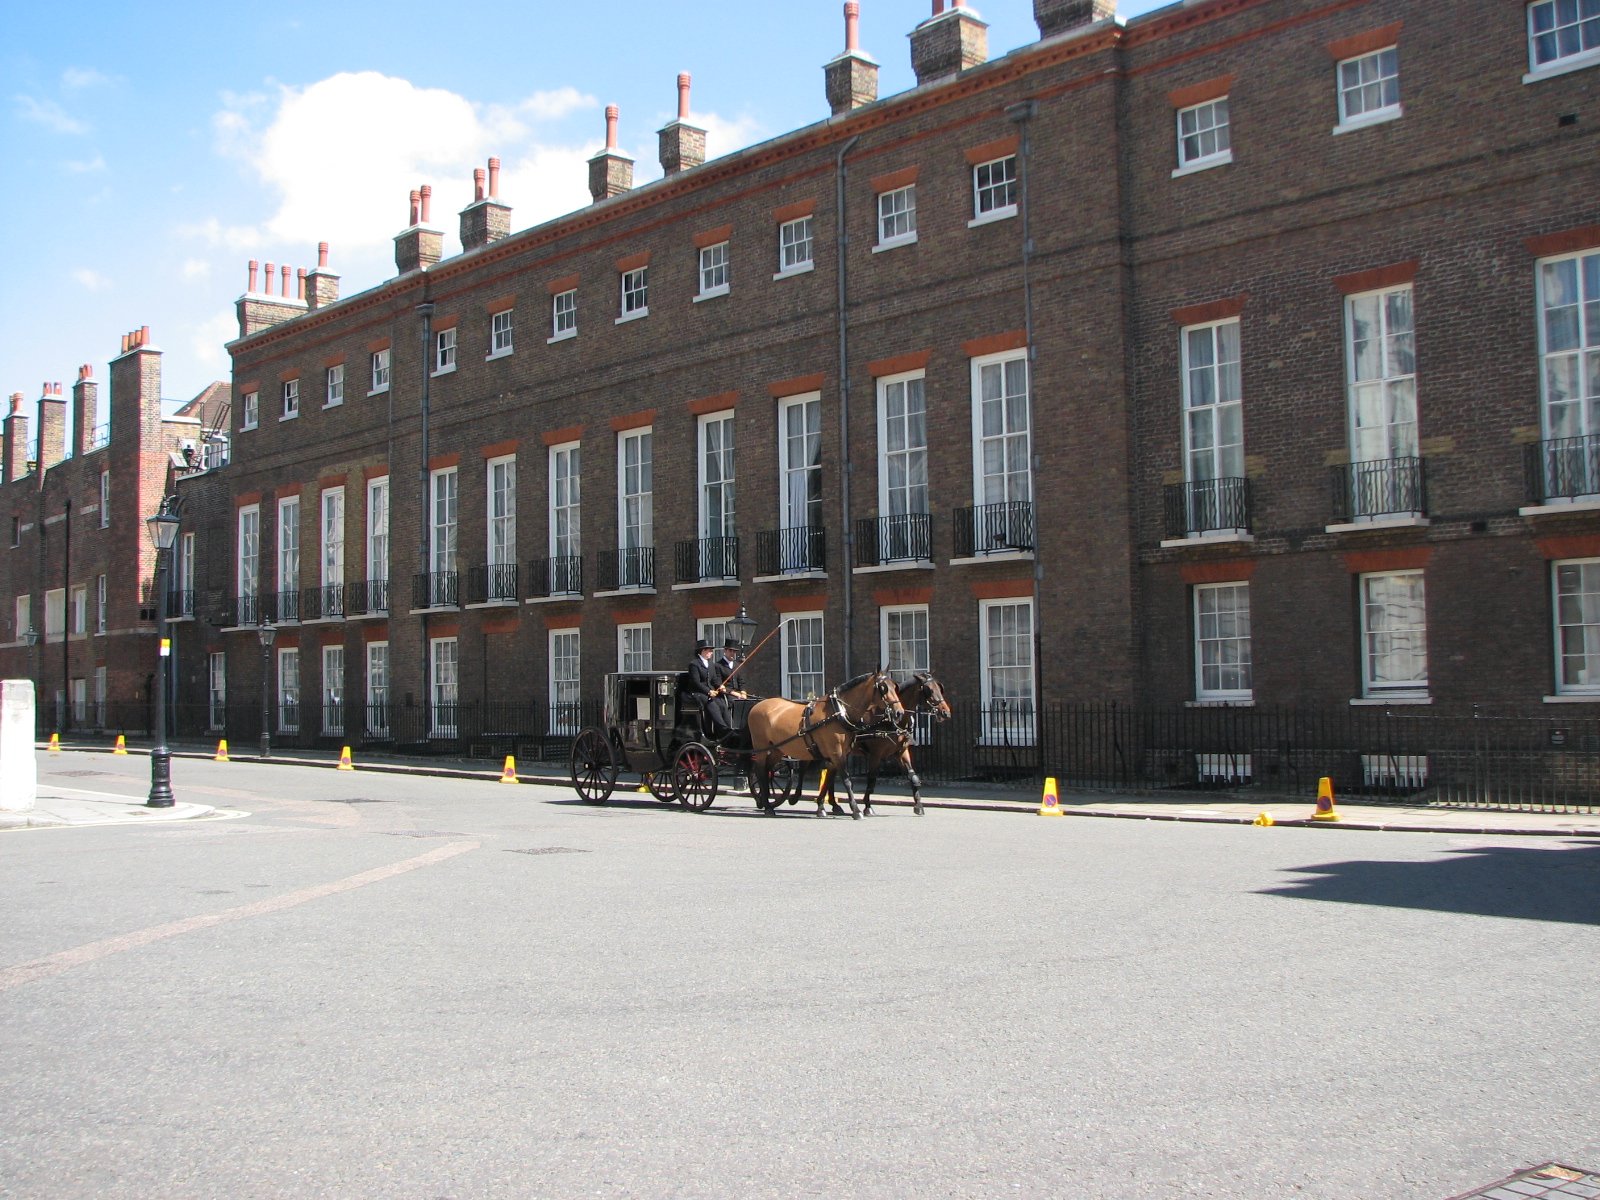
373, 986
59, 804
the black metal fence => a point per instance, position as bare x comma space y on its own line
899, 537
368, 596
1383, 487
708, 559
787, 551
1562, 468
558, 576
493, 582
629, 567
1205, 505
991, 528
436, 589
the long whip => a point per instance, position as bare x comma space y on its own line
723, 686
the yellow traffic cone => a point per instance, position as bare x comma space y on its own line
508, 773
1264, 819
55, 743
122, 745
222, 751
1324, 810
645, 781
1050, 806
344, 760
822, 785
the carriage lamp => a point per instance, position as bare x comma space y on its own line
743, 625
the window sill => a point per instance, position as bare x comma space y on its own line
1572, 699
908, 564
332, 404
379, 391
790, 577
566, 336
1376, 117
507, 603
1382, 701
1236, 702
183, 620
989, 218
437, 608
628, 591
1204, 164
633, 316
790, 272
329, 620
1219, 538
910, 239
1407, 522
1588, 504
999, 741
290, 416
1577, 62
705, 583
375, 614
712, 294
494, 354
242, 429
997, 556
450, 370
557, 599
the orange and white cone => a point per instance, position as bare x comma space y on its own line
1050, 806
122, 745
1324, 810
222, 752
508, 773
344, 760
55, 743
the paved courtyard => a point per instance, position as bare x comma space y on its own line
381, 986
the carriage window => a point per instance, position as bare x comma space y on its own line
1006, 644
633, 648
802, 656
565, 716
905, 640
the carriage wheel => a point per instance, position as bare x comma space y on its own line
694, 776
593, 767
790, 781
661, 786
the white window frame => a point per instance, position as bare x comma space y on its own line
1587, 406
55, 615
1203, 162
291, 399
787, 644
217, 689
101, 692
289, 544
80, 701
375, 686
105, 499
979, 495
79, 609
713, 630
786, 509
1201, 691
444, 536
380, 372
101, 603
500, 511
565, 693
568, 455
1223, 376
726, 460
1591, 628
24, 616
1387, 381
791, 234
885, 491
443, 694
635, 302
502, 334
625, 653
647, 506
248, 522
1012, 184
378, 528
903, 673
333, 689
331, 530
563, 317
1371, 116
186, 561
444, 350
1018, 730
333, 382
1562, 63
890, 207
250, 411
1370, 689
288, 692
716, 271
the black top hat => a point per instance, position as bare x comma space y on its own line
703, 645
733, 644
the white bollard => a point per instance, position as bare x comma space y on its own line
19, 770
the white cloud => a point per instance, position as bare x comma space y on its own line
97, 163
207, 339
551, 106
724, 136
214, 233
82, 77
196, 268
91, 279
49, 114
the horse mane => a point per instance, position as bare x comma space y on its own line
856, 682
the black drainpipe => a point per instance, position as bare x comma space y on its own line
425, 311
842, 239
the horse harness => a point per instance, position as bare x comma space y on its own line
885, 724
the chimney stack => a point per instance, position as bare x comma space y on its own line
85, 402
851, 75
52, 426
16, 441
485, 220
682, 145
948, 42
418, 247
610, 171
1061, 16
258, 310
322, 285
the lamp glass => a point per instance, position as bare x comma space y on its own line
266, 633
163, 529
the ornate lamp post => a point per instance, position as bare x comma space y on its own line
266, 632
163, 529
744, 626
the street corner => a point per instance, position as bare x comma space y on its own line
54, 811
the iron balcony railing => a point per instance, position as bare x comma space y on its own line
560, 575
251, 610
1207, 506
367, 596
317, 603
436, 589
993, 528
288, 603
708, 559
901, 537
180, 603
495, 583
1385, 487
632, 567
790, 551
1563, 468
100, 436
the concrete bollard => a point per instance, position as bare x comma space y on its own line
19, 770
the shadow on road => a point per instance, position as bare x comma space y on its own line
1555, 883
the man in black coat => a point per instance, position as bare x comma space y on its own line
703, 681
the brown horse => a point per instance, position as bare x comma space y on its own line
824, 729
921, 695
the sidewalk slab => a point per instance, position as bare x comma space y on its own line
55, 810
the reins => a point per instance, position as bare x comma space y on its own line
884, 723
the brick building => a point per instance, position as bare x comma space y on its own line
1232, 355
78, 569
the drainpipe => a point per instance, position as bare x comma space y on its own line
842, 239
66, 608
425, 311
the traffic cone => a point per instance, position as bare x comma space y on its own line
822, 785
122, 745
508, 773
1051, 804
222, 751
645, 780
1324, 810
344, 760
55, 743
1264, 819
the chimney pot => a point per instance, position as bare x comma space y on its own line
322, 255
683, 96
254, 267
494, 179
144, 335
416, 208
300, 283
85, 371
612, 113
285, 292
851, 77
16, 404
852, 23
477, 184
270, 272
427, 204
949, 42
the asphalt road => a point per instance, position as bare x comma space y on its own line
727, 1005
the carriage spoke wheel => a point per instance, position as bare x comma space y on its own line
593, 767
784, 783
694, 776
661, 786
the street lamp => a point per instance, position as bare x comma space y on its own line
743, 626
163, 527
266, 632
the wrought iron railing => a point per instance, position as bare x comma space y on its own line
249, 610
993, 528
791, 551
1207, 506
561, 575
436, 589
180, 603
494, 583
900, 537
708, 559
367, 596
100, 436
288, 606
1386, 487
1563, 468
318, 603
632, 567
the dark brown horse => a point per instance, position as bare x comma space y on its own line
921, 695
824, 729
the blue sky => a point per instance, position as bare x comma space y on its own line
153, 149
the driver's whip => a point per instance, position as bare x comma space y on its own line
717, 691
